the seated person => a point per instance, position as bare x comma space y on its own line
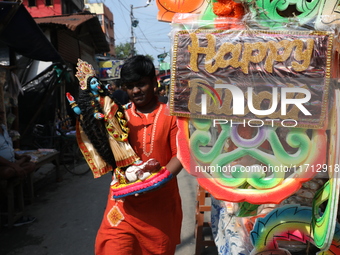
11, 164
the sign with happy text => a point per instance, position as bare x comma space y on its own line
277, 78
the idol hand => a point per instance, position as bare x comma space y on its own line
73, 103
98, 115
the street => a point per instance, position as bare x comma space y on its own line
69, 213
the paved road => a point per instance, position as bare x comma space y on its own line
69, 213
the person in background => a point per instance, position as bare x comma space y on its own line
149, 223
117, 93
13, 165
161, 94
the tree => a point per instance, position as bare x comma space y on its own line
151, 57
123, 51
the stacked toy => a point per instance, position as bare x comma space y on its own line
262, 78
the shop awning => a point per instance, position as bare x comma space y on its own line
83, 24
20, 32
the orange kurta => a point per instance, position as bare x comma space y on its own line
149, 223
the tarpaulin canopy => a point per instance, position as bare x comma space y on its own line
37, 105
20, 32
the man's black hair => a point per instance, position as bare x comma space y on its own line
137, 67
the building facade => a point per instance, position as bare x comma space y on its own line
106, 20
46, 8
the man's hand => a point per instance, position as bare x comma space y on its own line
24, 158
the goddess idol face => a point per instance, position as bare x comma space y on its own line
95, 85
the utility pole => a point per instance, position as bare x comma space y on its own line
134, 23
132, 38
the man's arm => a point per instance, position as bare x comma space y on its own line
6, 163
174, 166
22, 158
